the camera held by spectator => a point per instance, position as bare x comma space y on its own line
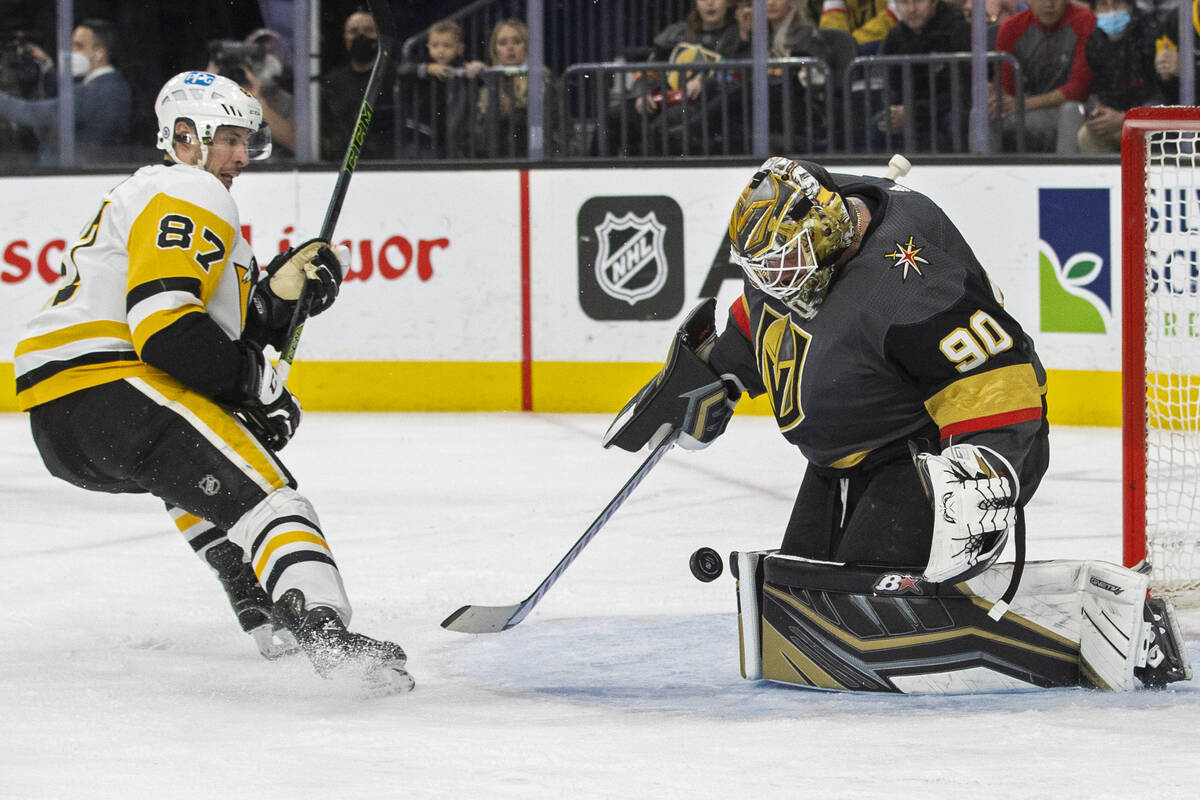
230, 58
22, 71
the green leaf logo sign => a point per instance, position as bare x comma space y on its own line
1068, 307
1074, 267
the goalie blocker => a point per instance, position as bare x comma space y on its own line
1074, 623
686, 395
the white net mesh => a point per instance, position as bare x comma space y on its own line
1172, 366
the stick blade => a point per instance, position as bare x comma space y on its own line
481, 619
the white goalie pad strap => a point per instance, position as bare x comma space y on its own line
974, 492
1092, 603
749, 616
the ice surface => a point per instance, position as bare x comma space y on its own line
123, 674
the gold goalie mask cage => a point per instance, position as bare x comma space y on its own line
787, 230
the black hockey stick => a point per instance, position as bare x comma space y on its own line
385, 27
492, 619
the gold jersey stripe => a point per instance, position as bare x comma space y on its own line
99, 329
282, 540
845, 462
996, 391
81, 377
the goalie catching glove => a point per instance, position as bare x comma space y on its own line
267, 408
686, 395
974, 492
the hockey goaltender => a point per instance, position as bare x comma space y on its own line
920, 405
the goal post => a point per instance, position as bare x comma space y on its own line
1160, 309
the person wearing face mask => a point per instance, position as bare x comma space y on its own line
1121, 53
342, 92
103, 100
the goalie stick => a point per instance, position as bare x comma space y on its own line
493, 619
385, 27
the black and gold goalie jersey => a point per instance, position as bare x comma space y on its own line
912, 334
163, 262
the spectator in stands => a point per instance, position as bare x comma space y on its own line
792, 35
342, 92
436, 94
502, 121
926, 26
790, 26
267, 79
263, 75
1121, 53
668, 104
868, 21
1048, 40
1166, 59
103, 100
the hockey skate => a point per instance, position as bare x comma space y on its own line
250, 602
335, 651
1166, 659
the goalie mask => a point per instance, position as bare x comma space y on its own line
788, 229
209, 101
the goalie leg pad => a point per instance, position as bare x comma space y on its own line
747, 568
831, 626
1111, 630
871, 629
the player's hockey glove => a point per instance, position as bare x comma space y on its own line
267, 408
314, 263
686, 395
274, 298
974, 492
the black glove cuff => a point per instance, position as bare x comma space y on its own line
268, 318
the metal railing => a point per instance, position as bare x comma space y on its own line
937, 108
470, 117
601, 103
574, 32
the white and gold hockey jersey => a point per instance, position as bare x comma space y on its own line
166, 243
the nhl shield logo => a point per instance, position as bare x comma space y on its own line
631, 264
630, 257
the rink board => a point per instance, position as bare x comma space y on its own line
559, 290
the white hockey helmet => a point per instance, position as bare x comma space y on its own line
209, 101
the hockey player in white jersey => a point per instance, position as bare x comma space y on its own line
145, 372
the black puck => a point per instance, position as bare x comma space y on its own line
706, 564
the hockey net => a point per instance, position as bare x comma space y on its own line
1160, 176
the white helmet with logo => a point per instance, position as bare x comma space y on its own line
209, 101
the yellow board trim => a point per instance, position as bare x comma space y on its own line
1075, 397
